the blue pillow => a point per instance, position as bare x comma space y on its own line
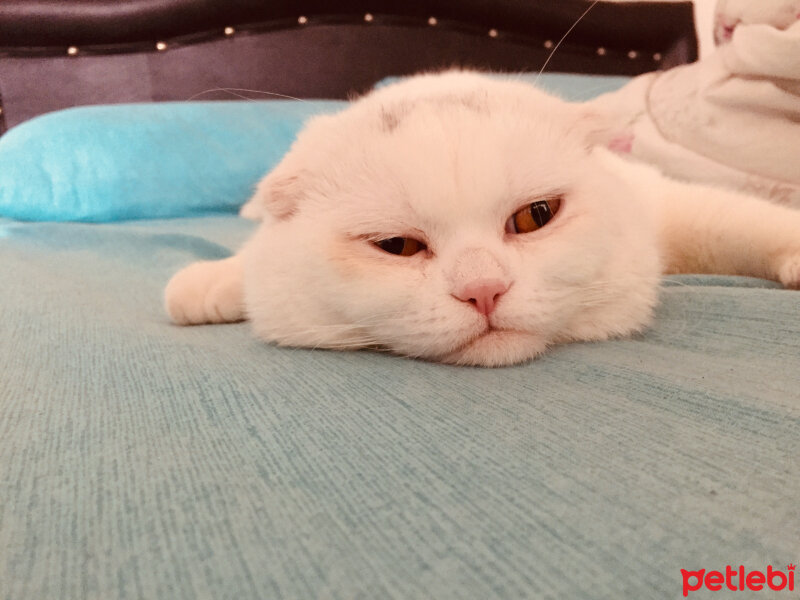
136, 161
175, 159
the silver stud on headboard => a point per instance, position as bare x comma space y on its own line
548, 44
657, 57
601, 51
229, 31
633, 54
72, 51
493, 33
433, 21
368, 17
161, 46
302, 20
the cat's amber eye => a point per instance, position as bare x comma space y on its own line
402, 246
534, 216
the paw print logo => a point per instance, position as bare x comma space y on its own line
790, 567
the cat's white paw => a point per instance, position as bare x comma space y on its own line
789, 272
206, 292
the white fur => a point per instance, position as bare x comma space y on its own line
730, 14
446, 159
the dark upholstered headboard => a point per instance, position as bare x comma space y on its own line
60, 53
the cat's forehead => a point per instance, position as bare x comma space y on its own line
446, 188
393, 113
452, 149
458, 93
451, 110
462, 151
471, 147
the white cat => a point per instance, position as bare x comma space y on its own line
474, 221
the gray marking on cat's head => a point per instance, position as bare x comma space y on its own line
390, 119
392, 115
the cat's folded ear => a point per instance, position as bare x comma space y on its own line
598, 128
277, 194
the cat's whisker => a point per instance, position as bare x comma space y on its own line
229, 92
234, 92
592, 295
564, 37
350, 343
359, 324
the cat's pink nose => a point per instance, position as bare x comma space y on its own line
483, 294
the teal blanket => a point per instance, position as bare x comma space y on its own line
143, 460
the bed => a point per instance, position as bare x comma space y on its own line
143, 460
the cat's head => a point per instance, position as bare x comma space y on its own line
730, 14
451, 217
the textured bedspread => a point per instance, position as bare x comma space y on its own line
143, 460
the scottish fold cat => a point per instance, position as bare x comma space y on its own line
469, 220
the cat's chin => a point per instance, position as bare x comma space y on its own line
497, 349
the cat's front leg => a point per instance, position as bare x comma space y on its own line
206, 292
710, 230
